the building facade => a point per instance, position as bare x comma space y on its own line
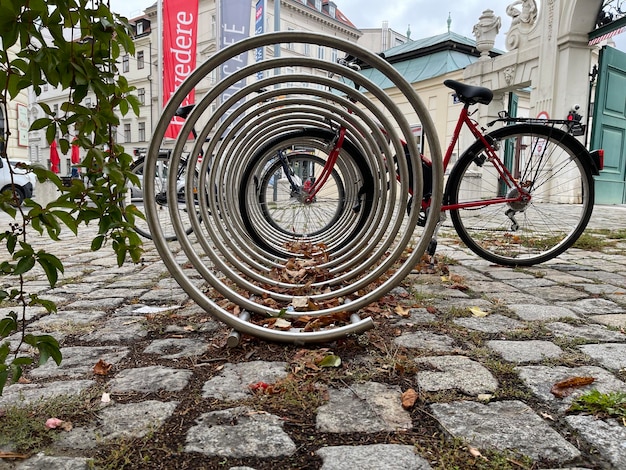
142, 69
14, 125
381, 39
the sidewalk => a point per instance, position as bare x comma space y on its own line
180, 398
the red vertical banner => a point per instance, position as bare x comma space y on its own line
180, 35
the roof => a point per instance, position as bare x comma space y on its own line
423, 68
427, 58
339, 16
426, 45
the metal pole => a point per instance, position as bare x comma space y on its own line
160, 56
276, 29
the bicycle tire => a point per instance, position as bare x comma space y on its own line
271, 241
161, 203
557, 171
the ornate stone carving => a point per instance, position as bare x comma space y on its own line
523, 15
486, 31
527, 15
509, 75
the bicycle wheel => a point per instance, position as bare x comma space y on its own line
286, 208
275, 213
553, 170
163, 204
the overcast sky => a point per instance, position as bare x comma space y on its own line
425, 17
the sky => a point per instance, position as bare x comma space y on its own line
425, 17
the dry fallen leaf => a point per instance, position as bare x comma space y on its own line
403, 311
13, 455
409, 398
300, 302
474, 452
102, 368
66, 426
477, 312
565, 387
282, 324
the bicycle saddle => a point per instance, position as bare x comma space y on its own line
184, 111
470, 94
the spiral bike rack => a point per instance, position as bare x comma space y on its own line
240, 247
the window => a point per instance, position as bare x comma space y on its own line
140, 61
55, 109
320, 52
88, 102
125, 63
127, 135
142, 132
318, 5
213, 27
290, 46
307, 50
332, 10
141, 95
333, 55
139, 27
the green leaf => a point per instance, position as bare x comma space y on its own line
24, 265
51, 266
49, 349
40, 123
51, 132
8, 325
97, 242
22, 361
17, 372
47, 346
4, 375
330, 360
4, 352
49, 305
67, 218
11, 242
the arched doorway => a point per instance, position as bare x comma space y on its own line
553, 59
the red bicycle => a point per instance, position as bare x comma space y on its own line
521, 194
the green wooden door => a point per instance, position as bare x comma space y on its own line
509, 149
609, 126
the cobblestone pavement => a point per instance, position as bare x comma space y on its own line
577, 301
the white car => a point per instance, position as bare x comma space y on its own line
24, 180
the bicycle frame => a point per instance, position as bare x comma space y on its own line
506, 176
463, 120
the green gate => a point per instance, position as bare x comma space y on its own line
609, 126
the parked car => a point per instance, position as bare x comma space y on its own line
24, 180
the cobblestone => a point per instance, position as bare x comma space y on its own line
577, 303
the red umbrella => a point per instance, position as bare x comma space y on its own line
75, 152
55, 160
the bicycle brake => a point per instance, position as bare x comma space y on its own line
480, 160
